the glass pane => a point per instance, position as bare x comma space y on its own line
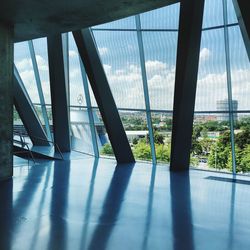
104, 145
19, 131
16, 118
135, 125
81, 139
40, 47
211, 147
92, 97
162, 125
232, 18
77, 95
240, 69
160, 50
25, 68
242, 142
213, 13
163, 18
212, 81
120, 57
38, 110
125, 23
49, 113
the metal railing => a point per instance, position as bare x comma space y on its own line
23, 145
50, 142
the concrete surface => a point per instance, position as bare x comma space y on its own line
38, 18
6, 101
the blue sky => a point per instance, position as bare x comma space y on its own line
120, 56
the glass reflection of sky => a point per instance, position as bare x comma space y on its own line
119, 53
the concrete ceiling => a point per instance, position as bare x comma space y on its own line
37, 18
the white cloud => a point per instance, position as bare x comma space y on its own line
103, 51
75, 74
41, 63
30, 84
73, 53
107, 68
213, 87
155, 65
24, 64
205, 54
127, 87
26, 72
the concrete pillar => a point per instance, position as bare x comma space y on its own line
189, 39
242, 11
58, 89
6, 101
90, 58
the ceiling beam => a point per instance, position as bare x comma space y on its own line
33, 19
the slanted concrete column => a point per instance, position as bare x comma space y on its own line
187, 63
6, 101
242, 11
90, 58
58, 89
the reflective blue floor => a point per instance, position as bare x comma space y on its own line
94, 204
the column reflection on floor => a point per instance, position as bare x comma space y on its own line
25, 202
59, 206
84, 232
111, 206
6, 214
181, 211
35, 237
149, 208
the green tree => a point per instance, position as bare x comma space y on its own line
162, 152
244, 164
244, 123
242, 159
196, 148
142, 151
224, 138
135, 141
158, 138
213, 126
15, 115
243, 138
197, 131
194, 161
238, 156
107, 149
220, 152
219, 155
206, 145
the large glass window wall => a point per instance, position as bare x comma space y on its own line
220, 131
145, 120
143, 87
31, 62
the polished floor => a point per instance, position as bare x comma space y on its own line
85, 203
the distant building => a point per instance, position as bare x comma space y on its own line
204, 118
136, 134
222, 105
